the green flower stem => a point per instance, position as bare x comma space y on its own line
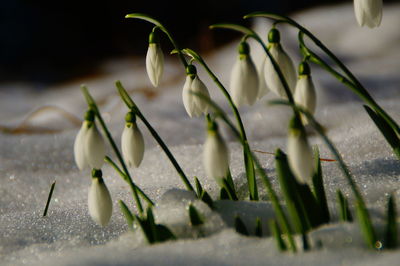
362, 92
281, 217
49, 198
249, 165
92, 105
132, 106
250, 33
360, 202
164, 29
126, 179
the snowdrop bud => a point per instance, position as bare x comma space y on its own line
368, 12
94, 147
272, 79
244, 78
299, 152
194, 104
132, 142
79, 145
216, 155
154, 60
305, 90
99, 200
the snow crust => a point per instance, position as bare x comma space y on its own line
29, 163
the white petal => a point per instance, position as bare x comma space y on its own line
215, 157
368, 12
199, 87
287, 67
194, 105
154, 63
244, 82
263, 88
99, 202
95, 150
132, 144
300, 157
305, 94
79, 147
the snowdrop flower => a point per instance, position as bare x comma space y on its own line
99, 200
299, 152
89, 147
368, 12
194, 104
304, 95
154, 60
244, 78
132, 142
216, 154
285, 63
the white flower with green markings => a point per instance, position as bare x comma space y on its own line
99, 200
244, 82
194, 104
368, 12
154, 60
305, 95
132, 142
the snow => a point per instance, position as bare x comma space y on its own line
29, 163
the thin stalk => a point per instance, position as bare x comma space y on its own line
132, 106
164, 29
132, 185
49, 198
249, 165
92, 104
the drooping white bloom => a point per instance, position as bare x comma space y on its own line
99, 202
194, 105
305, 91
215, 156
132, 144
284, 62
299, 152
154, 60
89, 147
244, 78
368, 12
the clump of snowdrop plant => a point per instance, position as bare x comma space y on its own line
368, 12
132, 142
215, 154
154, 59
99, 199
304, 95
300, 155
244, 82
194, 105
286, 65
89, 147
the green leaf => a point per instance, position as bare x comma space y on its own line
319, 190
386, 130
250, 173
240, 227
234, 27
195, 217
277, 234
258, 231
206, 198
199, 188
164, 234
144, 17
223, 194
127, 214
366, 225
391, 240
229, 190
344, 210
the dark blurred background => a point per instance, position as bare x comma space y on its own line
52, 41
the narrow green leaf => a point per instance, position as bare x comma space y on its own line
195, 217
258, 231
277, 234
127, 214
146, 229
49, 198
343, 206
164, 234
386, 130
235, 27
229, 181
306, 244
391, 240
366, 225
223, 194
206, 198
240, 227
319, 190
231, 191
144, 17
199, 188
250, 173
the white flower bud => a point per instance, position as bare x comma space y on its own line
79, 147
99, 202
262, 86
244, 81
286, 65
132, 144
299, 152
94, 148
305, 95
194, 104
368, 12
154, 63
215, 156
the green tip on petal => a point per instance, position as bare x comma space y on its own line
153, 37
244, 48
295, 123
89, 115
191, 70
97, 173
274, 36
304, 69
130, 117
